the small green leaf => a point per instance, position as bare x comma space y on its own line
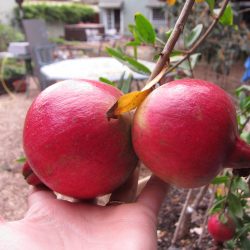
191, 38
131, 28
194, 59
21, 160
133, 43
176, 53
168, 33
115, 53
105, 80
144, 29
217, 206
211, 4
242, 88
220, 180
245, 136
126, 84
137, 66
240, 183
235, 206
223, 219
132, 63
227, 17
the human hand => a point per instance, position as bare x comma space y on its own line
60, 225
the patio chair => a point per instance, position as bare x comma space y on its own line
40, 49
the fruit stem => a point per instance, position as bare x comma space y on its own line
240, 156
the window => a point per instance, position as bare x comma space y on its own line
112, 19
158, 14
158, 17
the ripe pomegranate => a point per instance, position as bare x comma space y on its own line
186, 132
221, 231
71, 146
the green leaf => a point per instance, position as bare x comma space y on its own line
126, 84
185, 65
211, 4
220, 180
245, 244
168, 33
132, 63
134, 32
131, 28
137, 66
133, 43
115, 53
235, 206
105, 80
223, 219
240, 183
191, 38
144, 29
194, 59
217, 206
227, 17
21, 160
242, 88
176, 53
245, 136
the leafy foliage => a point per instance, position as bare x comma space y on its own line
235, 195
66, 13
7, 35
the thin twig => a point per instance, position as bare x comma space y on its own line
202, 38
199, 196
244, 10
206, 217
178, 28
183, 212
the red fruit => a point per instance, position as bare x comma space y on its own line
186, 131
71, 146
221, 231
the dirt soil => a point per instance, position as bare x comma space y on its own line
14, 190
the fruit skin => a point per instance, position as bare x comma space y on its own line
219, 231
184, 131
71, 146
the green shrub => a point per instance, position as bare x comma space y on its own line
13, 68
66, 13
7, 35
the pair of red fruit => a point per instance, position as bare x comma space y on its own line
185, 132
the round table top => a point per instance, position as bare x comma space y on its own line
91, 68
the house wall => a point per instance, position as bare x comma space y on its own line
129, 10
6, 10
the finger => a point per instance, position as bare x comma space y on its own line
127, 192
153, 194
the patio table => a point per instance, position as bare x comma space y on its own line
91, 68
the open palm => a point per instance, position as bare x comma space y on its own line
60, 225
